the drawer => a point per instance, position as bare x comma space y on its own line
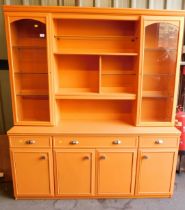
158, 141
30, 141
83, 141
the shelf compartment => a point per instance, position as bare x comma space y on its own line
94, 45
31, 83
118, 84
155, 94
161, 35
77, 73
28, 32
95, 36
87, 27
118, 65
159, 84
33, 108
30, 60
156, 109
160, 62
92, 110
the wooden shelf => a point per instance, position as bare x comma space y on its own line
113, 52
20, 72
29, 47
160, 49
114, 72
33, 93
155, 94
93, 37
98, 96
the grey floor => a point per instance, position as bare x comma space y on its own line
176, 203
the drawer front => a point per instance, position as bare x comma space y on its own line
30, 141
158, 141
109, 141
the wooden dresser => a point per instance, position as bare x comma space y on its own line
94, 95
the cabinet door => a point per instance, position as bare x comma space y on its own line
162, 42
74, 172
28, 51
156, 171
116, 172
32, 172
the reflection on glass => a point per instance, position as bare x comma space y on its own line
160, 55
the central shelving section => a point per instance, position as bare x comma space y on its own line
96, 70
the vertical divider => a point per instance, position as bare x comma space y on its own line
100, 70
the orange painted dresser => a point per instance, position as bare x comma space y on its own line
94, 95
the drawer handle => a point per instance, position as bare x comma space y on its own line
159, 141
117, 142
145, 157
86, 158
43, 157
74, 142
103, 157
30, 142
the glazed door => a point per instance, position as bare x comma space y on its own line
32, 172
162, 44
74, 172
28, 51
116, 172
156, 171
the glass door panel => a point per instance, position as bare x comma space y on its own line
159, 70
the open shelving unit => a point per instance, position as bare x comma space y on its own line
96, 69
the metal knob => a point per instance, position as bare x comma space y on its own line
102, 157
86, 157
117, 142
145, 157
159, 141
30, 142
74, 142
43, 157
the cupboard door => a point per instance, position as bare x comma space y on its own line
116, 172
161, 55
74, 172
156, 171
32, 172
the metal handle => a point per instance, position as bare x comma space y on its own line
145, 157
30, 142
159, 141
86, 157
117, 142
102, 157
43, 157
74, 142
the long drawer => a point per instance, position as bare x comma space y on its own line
158, 141
87, 141
30, 141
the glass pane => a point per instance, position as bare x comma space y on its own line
160, 55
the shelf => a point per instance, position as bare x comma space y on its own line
32, 93
96, 52
158, 74
160, 49
133, 38
155, 94
20, 72
119, 72
97, 96
29, 47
